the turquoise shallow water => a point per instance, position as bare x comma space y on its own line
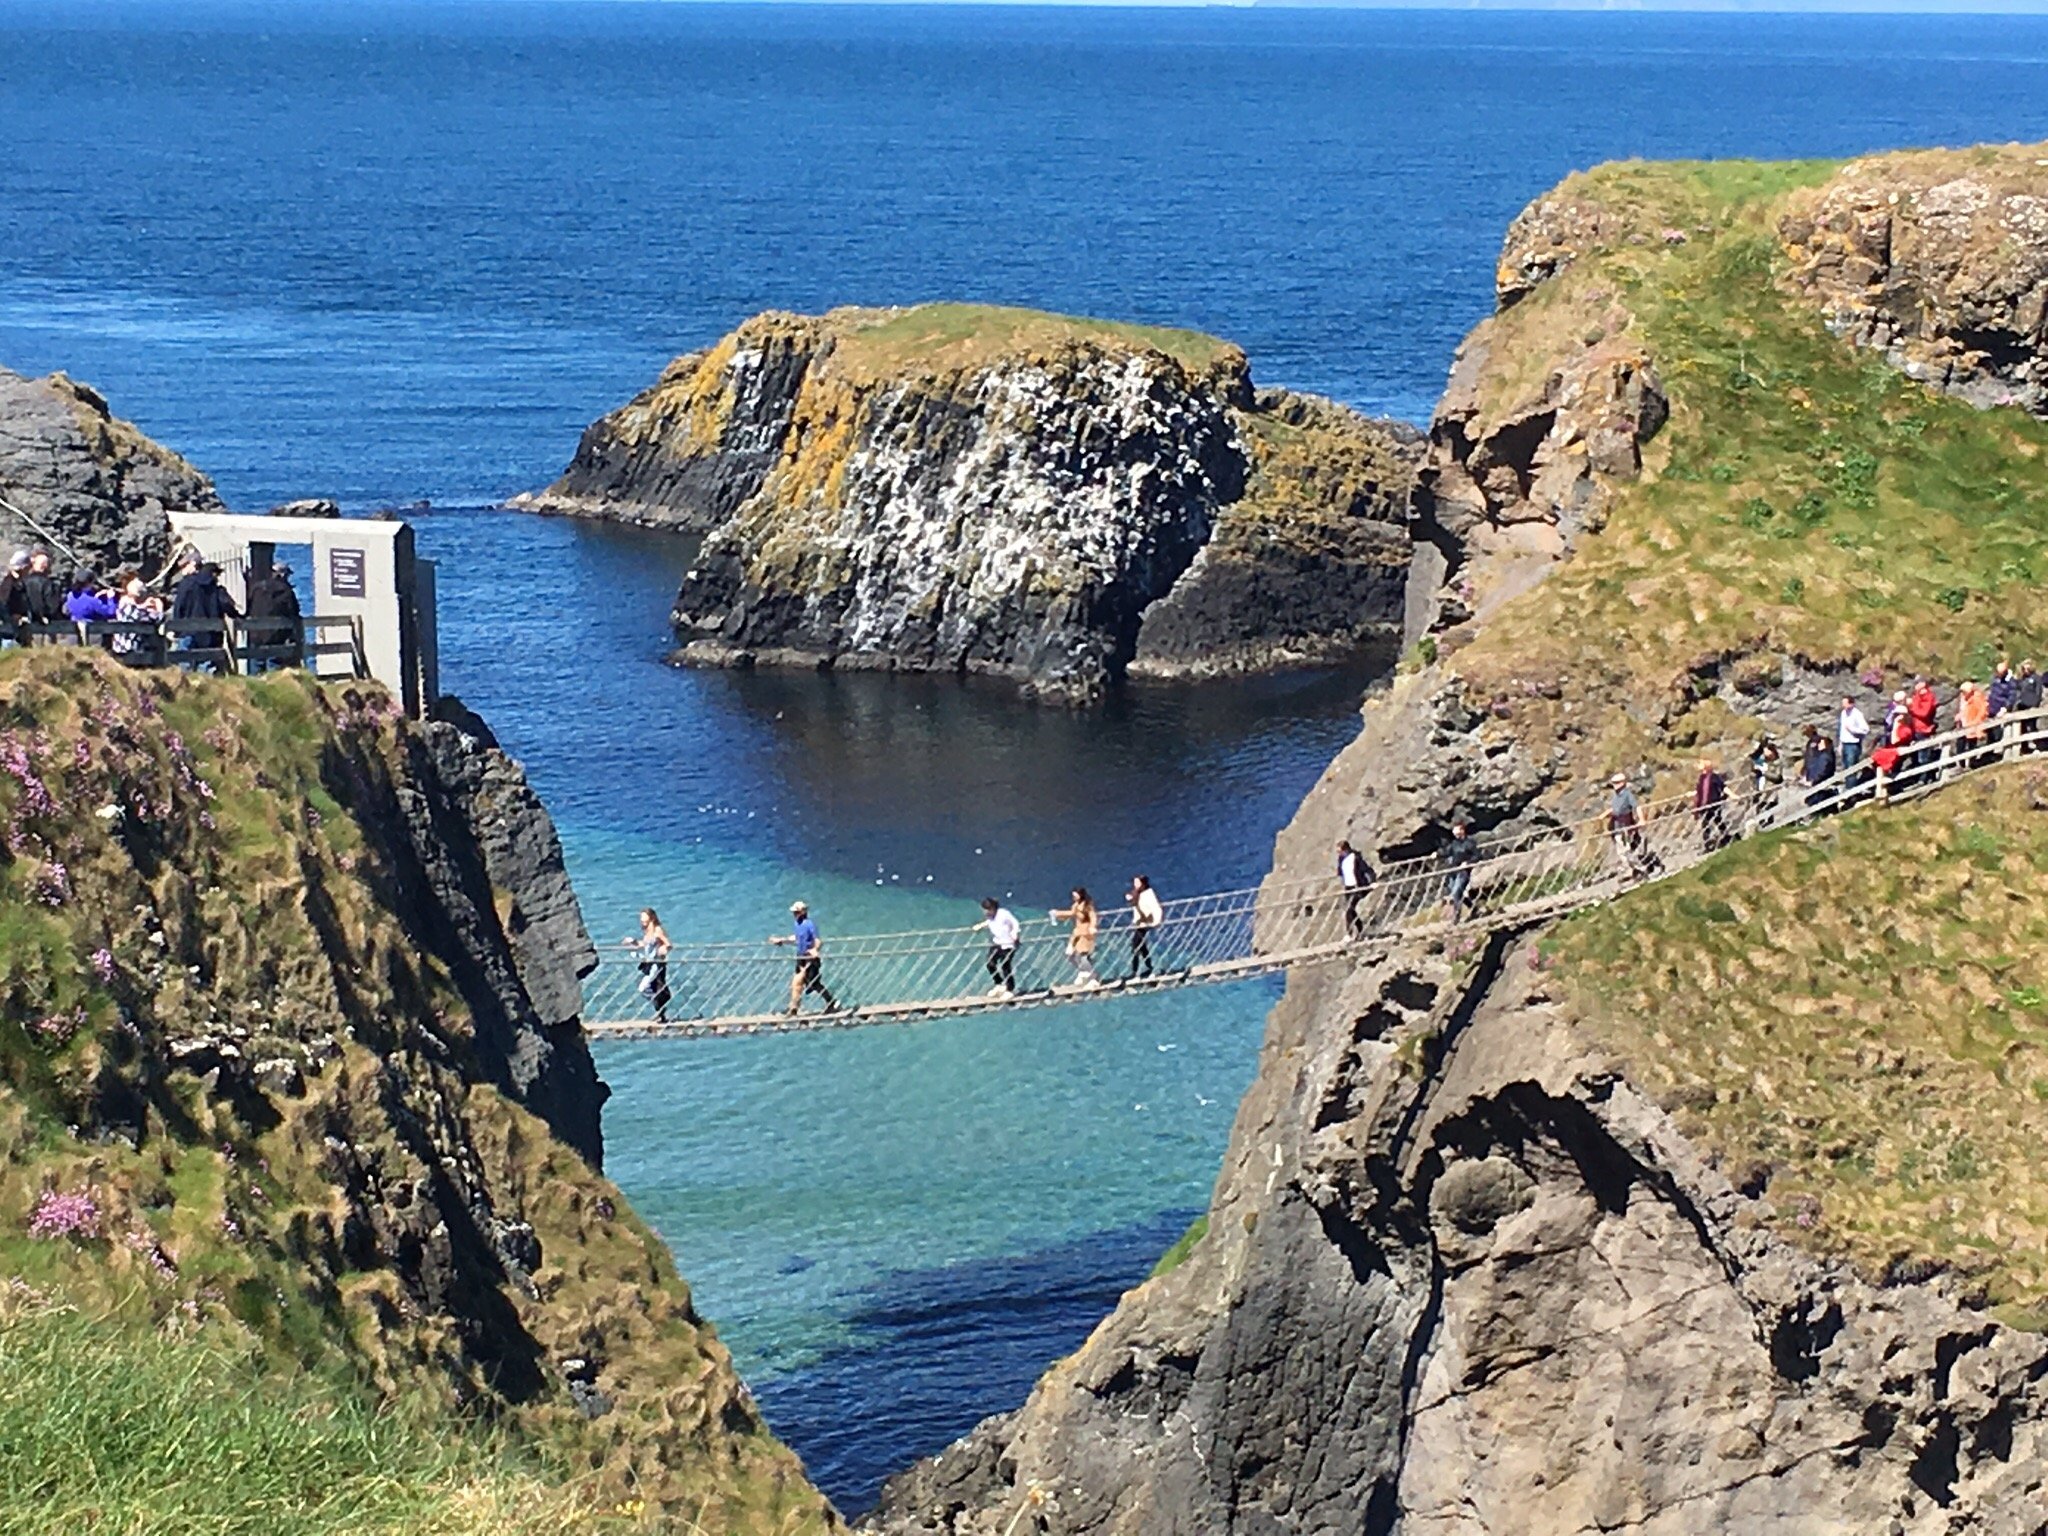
895, 1228
387, 251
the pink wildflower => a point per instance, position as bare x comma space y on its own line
59, 1215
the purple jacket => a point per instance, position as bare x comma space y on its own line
89, 608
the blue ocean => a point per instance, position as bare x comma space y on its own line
402, 253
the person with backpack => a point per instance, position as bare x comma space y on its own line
273, 623
1625, 828
1354, 878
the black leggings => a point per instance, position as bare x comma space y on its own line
657, 992
1141, 951
1002, 966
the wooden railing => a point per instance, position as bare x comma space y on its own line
331, 645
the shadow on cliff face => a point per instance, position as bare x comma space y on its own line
943, 1345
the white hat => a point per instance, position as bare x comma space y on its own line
1619, 779
18, 561
798, 906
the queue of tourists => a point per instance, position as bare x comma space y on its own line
123, 614
1847, 762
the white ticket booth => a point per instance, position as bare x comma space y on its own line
363, 570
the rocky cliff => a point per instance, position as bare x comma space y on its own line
290, 1065
1940, 261
963, 489
1706, 1211
92, 480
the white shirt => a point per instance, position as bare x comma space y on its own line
1003, 929
1150, 913
1853, 726
1351, 869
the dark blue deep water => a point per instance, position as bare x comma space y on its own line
395, 252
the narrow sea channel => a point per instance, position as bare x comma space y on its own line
895, 1229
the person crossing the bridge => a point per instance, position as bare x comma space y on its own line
1625, 829
1081, 942
1458, 858
1147, 914
2027, 698
1710, 806
1005, 933
1354, 875
653, 945
810, 960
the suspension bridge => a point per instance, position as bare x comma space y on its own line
1535, 874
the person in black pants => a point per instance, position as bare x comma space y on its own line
1356, 880
1146, 916
1004, 934
653, 946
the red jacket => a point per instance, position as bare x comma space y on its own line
1922, 709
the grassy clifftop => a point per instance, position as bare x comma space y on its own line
1851, 1015
1805, 498
1856, 1016
877, 344
254, 1128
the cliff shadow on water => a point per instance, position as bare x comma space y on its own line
962, 779
936, 1345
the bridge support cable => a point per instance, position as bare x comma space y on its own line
1534, 874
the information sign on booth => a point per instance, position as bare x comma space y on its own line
345, 573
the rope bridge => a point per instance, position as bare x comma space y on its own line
742, 988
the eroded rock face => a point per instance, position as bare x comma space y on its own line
1461, 1278
1310, 566
1017, 524
1523, 459
1940, 262
492, 862
1004, 494
90, 478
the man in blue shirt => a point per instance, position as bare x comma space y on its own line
810, 961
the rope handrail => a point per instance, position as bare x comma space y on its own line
745, 986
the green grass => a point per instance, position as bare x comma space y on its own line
103, 1428
258, 889
1855, 1011
934, 338
1805, 498
1177, 1255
